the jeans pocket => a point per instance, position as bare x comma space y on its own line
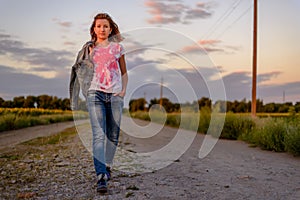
117, 99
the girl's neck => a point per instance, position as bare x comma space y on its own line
102, 43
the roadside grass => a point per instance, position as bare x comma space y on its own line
276, 134
279, 132
292, 140
52, 139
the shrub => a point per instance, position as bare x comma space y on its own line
157, 116
22, 122
140, 115
7, 122
205, 117
173, 120
292, 138
271, 135
188, 121
236, 125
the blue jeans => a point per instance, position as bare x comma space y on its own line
105, 112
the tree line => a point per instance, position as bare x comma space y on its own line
42, 101
52, 102
242, 106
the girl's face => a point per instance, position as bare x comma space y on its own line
102, 29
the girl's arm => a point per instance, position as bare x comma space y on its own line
123, 69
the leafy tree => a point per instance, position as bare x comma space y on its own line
30, 101
270, 107
18, 102
1, 101
232, 106
242, 107
8, 104
204, 102
169, 106
55, 103
65, 104
297, 107
153, 102
137, 104
283, 108
44, 101
259, 105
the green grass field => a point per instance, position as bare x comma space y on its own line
16, 118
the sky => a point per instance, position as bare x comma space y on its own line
195, 48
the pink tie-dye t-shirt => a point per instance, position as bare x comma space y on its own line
107, 74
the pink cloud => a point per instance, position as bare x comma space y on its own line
208, 42
159, 19
203, 46
166, 11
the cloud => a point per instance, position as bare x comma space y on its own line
64, 24
136, 61
16, 83
166, 11
132, 46
238, 85
197, 13
160, 19
267, 76
201, 82
34, 57
275, 92
136, 52
208, 46
68, 43
3, 36
146, 80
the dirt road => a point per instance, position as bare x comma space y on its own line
232, 170
11, 138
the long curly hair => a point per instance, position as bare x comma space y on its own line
114, 36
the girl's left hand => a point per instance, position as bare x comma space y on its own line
121, 94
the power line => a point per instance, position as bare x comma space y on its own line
225, 15
235, 21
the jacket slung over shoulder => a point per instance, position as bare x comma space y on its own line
81, 75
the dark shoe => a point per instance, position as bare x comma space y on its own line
102, 183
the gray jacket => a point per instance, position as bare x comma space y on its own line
81, 75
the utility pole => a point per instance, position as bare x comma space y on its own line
161, 93
254, 62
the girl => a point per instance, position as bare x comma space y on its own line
105, 94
